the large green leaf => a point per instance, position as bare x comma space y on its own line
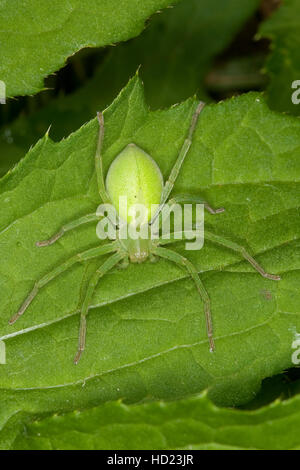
146, 330
283, 64
37, 36
193, 423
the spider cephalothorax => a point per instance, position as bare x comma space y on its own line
136, 176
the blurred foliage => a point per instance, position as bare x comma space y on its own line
193, 34
283, 64
192, 423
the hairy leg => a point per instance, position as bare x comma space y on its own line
101, 187
104, 269
240, 249
224, 242
184, 198
180, 159
190, 268
66, 228
84, 256
98, 161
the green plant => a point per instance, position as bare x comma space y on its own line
142, 346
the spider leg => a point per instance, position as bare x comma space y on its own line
98, 161
190, 268
224, 242
101, 271
182, 198
85, 255
180, 159
101, 187
240, 249
70, 226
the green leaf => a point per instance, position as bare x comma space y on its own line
193, 423
283, 65
37, 36
146, 332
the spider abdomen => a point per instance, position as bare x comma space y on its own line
136, 176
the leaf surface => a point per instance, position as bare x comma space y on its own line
146, 332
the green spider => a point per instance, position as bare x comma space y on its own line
136, 175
